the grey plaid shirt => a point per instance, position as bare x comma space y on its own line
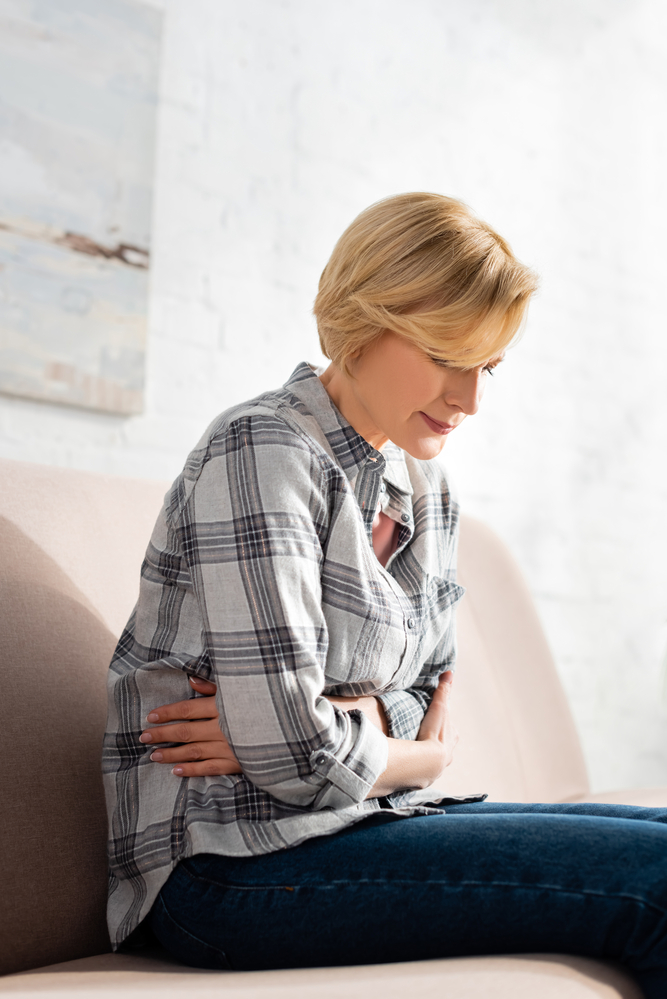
261, 576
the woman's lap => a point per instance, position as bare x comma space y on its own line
484, 878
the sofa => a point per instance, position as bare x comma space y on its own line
72, 544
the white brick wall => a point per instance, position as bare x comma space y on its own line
279, 121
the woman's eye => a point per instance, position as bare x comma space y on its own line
489, 368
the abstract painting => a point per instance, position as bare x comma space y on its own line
78, 102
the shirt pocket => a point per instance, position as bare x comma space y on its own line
367, 632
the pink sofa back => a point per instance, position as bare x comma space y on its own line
72, 545
518, 739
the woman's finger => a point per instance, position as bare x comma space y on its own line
190, 751
197, 731
207, 768
194, 707
202, 686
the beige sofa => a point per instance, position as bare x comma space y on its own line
71, 545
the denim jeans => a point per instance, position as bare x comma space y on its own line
483, 878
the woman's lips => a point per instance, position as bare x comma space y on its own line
437, 426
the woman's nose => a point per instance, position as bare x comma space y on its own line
466, 391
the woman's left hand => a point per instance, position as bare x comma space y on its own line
204, 750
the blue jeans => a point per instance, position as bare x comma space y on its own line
482, 879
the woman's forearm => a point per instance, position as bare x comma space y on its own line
411, 765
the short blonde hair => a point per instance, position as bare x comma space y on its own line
425, 267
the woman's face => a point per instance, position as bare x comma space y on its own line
399, 393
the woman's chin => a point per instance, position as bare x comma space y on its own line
425, 448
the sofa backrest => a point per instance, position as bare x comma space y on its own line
72, 545
518, 738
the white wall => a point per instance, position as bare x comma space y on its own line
280, 121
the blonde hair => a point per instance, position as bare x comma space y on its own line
426, 268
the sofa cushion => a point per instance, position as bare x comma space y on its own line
546, 976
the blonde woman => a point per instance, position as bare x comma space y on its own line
301, 577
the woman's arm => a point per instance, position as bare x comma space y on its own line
204, 751
195, 726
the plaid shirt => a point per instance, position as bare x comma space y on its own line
261, 576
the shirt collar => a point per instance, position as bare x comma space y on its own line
350, 449
396, 470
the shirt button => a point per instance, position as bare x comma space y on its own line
405, 518
411, 622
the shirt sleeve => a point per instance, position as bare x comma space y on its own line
253, 530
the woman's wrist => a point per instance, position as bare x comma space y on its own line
411, 766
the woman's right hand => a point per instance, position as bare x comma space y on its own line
203, 750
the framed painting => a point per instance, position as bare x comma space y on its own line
78, 103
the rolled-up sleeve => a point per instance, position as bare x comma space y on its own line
350, 781
253, 529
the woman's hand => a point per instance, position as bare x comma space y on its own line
195, 726
437, 725
417, 765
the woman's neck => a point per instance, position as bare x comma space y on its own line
340, 388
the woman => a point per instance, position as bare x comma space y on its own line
304, 561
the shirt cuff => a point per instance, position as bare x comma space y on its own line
349, 783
